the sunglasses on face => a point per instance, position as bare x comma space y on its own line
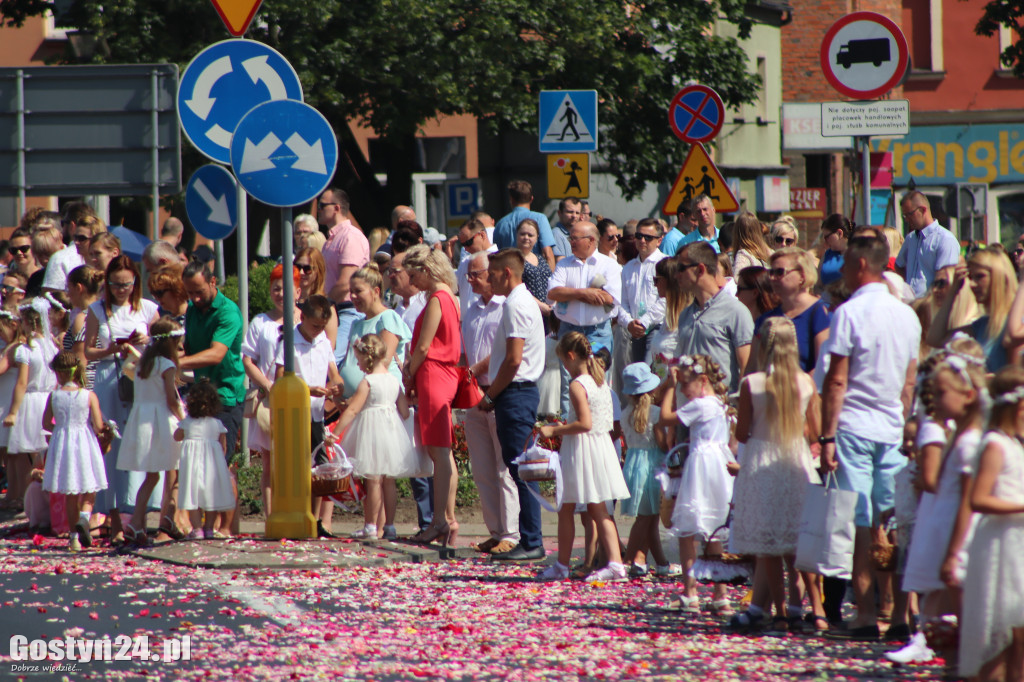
646, 237
779, 273
21, 249
158, 293
465, 244
785, 241
122, 285
304, 269
612, 237
81, 238
9, 288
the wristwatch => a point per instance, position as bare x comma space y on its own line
825, 440
488, 400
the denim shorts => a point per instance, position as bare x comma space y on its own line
869, 469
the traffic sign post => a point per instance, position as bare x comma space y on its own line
699, 175
568, 176
284, 153
210, 202
568, 121
864, 55
461, 199
696, 114
237, 14
225, 81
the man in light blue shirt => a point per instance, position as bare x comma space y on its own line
929, 250
704, 215
570, 212
684, 226
520, 195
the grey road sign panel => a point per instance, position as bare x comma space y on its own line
109, 129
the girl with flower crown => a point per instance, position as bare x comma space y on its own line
148, 443
705, 488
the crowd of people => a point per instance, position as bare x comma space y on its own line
706, 376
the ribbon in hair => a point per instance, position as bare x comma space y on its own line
7, 315
958, 364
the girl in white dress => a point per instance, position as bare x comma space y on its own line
204, 482
951, 391
376, 439
705, 487
17, 468
992, 623
147, 443
258, 351
590, 468
32, 387
74, 463
774, 410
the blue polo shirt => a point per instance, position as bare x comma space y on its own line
505, 229
697, 236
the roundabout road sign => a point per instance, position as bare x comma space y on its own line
864, 55
696, 114
222, 83
284, 153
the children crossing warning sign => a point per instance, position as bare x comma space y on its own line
700, 176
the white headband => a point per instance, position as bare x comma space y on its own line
168, 335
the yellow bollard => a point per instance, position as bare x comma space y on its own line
290, 461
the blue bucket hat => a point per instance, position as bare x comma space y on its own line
638, 378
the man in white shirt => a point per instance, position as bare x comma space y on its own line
929, 250
516, 363
473, 240
80, 224
641, 310
499, 499
868, 391
584, 290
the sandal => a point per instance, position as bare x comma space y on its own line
581, 571
173, 531
779, 626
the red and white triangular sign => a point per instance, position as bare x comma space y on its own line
237, 14
700, 176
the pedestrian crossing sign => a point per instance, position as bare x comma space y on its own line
568, 176
700, 176
568, 121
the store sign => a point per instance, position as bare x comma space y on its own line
801, 129
807, 202
944, 155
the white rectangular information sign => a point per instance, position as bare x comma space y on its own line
883, 117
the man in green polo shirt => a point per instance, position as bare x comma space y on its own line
213, 347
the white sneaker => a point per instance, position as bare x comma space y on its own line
666, 570
364, 533
555, 571
916, 651
74, 545
612, 573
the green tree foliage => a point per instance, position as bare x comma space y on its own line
397, 64
999, 13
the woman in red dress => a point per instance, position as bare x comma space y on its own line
431, 379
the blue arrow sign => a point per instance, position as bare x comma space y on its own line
568, 121
222, 83
284, 153
210, 201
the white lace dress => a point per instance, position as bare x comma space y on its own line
27, 434
147, 443
74, 463
993, 595
203, 478
377, 441
768, 496
590, 467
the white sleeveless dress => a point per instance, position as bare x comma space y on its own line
28, 434
705, 487
74, 463
377, 441
993, 595
147, 443
590, 467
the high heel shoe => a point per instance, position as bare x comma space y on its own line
432, 533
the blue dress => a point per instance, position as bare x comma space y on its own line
808, 324
643, 458
831, 261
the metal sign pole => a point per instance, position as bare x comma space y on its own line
866, 170
154, 122
21, 143
242, 233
